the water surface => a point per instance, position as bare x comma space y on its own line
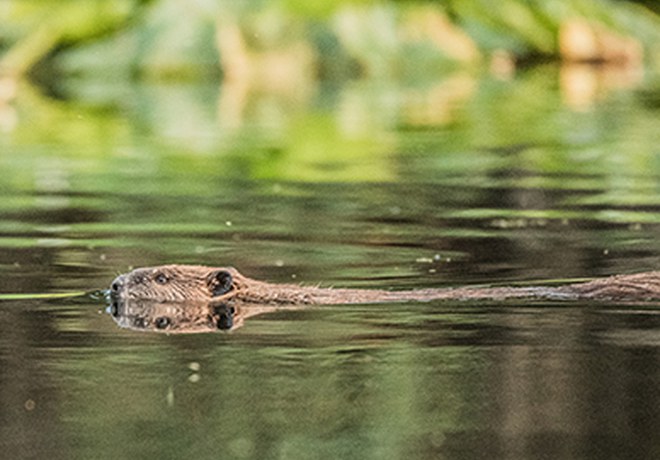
372, 185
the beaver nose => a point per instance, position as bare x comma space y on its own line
117, 284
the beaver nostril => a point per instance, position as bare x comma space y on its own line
115, 286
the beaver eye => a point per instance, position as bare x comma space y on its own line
160, 278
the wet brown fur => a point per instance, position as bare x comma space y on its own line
175, 283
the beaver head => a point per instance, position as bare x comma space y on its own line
174, 283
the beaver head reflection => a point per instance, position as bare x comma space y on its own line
179, 317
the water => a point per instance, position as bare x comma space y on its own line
373, 185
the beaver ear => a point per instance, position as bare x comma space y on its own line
220, 282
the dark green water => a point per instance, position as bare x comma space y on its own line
373, 185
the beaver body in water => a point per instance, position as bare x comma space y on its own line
184, 283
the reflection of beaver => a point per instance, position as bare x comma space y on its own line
175, 283
183, 316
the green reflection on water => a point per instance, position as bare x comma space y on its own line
467, 179
367, 174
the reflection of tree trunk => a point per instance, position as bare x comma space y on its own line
569, 393
29, 421
535, 389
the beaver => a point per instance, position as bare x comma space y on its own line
185, 283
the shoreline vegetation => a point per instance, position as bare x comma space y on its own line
287, 43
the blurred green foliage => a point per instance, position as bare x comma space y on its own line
178, 38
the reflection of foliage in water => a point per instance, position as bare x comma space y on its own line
330, 134
213, 161
405, 167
